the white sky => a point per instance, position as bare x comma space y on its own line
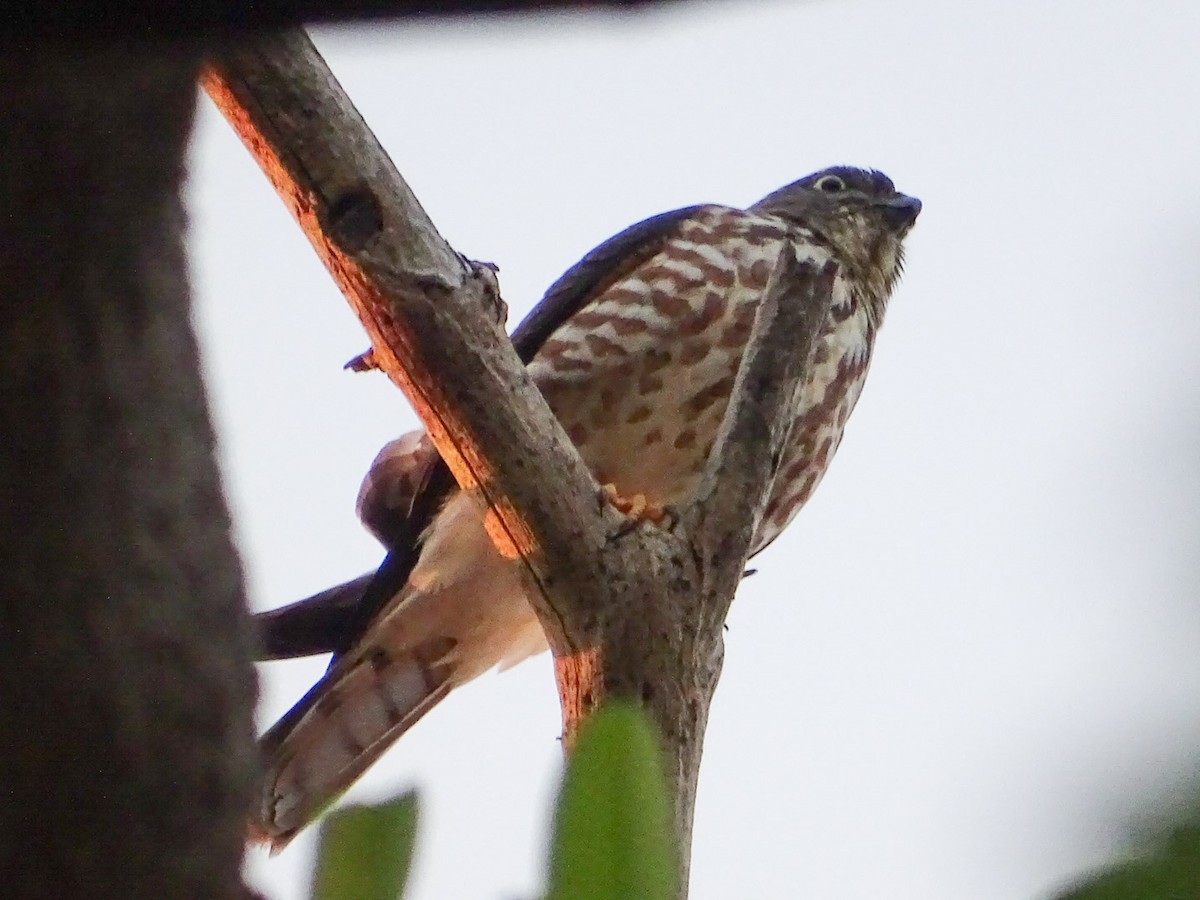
969, 667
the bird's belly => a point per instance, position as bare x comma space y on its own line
649, 427
462, 588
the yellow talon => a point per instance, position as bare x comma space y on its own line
636, 507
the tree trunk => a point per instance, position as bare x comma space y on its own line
126, 687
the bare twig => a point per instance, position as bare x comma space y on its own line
639, 617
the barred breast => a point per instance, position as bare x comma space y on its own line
641, 377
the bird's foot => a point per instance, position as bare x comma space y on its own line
637, 509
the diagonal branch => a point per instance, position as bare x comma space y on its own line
638, 616
431, 315
737, 480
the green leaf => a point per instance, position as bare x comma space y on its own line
365, 852
1169, 870
612, 829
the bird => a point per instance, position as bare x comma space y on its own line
635, 349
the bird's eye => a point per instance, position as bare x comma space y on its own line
830, 184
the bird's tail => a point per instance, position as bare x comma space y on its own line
366, 700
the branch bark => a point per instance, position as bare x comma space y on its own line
433, 318
638, 616
126, 725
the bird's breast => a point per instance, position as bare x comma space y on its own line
826, 398
641, 377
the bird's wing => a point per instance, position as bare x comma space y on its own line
604, 265
331, 621
394, 503
316, 624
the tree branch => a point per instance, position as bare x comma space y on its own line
736, 484
432, 317
639, 615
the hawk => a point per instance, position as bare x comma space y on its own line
635, 349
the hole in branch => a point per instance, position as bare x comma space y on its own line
353, 219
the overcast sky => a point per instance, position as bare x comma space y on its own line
969, 669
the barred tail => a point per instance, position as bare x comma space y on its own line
349, 718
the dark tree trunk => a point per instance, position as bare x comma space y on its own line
126, 688
115, 19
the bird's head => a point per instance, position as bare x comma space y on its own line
859, 212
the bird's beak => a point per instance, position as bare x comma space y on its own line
900, 211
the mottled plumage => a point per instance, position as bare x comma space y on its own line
636, 349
